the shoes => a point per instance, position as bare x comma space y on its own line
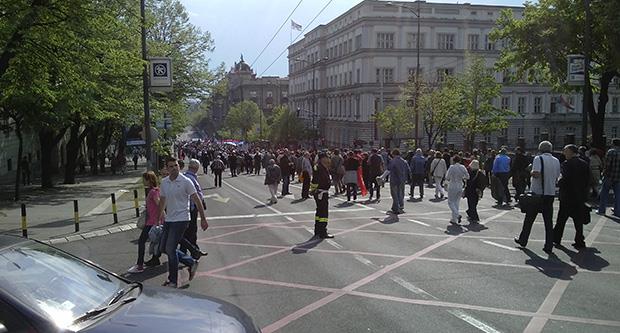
401, 212
460, 219
547, 251
153, 262
519, 242
579, 246
169, 284
136, 269
192, 270
199, 254
324, 236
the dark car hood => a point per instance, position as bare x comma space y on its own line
166, 310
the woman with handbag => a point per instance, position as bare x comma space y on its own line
476, 184
151, 212
456, 176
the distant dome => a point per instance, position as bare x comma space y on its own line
242, 66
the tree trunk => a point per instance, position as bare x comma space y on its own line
20, 152
597, 119
105, 142
93, 150
48, 139
73, 149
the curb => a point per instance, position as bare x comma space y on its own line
91, 234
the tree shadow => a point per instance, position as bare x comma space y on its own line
552, 267
390, 219
303, 247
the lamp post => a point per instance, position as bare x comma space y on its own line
145, 92
415, 12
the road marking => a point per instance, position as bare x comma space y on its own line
537, 324
248, 216
500, 245
102, 207
409, 286
421, 223
252, 198
473, 321
216, 197
364, 261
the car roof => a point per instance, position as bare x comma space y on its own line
10, 240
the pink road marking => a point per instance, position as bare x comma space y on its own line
229, 233
434, 303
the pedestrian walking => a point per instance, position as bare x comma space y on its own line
611, 179
476, 184
337, 171
438, 173
320, 191
306, 172
574, 185
190, 238
351, 164
217, 167
176, 193
418, 170
456, 176
151, 219
285, 169
596, 165
376, 169
399, 172
519, 172
272, 179
501, 170
544, 166
135, 160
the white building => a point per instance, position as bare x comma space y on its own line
361, 60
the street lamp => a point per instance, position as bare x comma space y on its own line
415, 12
313, 95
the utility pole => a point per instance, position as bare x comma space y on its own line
145, 92
587, 92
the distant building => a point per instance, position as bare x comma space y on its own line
361, 60
267, 91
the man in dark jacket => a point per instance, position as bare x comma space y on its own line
320, 190
285, 167
573, 196
376, 168
232, 164
519, 172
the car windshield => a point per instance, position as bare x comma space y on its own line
56, 285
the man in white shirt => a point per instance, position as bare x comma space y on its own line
550, 173
175, 191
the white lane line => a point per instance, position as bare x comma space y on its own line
334, 244
307, 212
421, 223
409, 286
364, 261
473, 321
105, 204
500, 245
252, 198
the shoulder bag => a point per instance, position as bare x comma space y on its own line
532, 202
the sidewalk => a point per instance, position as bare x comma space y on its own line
50, 211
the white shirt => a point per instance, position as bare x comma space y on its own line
457, 173
438, 167
552, 173
177, 192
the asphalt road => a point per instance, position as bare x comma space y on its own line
413, 273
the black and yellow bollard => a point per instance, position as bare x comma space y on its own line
135, 202
24, 222
76, 215
114, 211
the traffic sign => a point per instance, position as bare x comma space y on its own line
161, 74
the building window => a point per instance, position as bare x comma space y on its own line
505, 103
442, 73
9, 164
285, 94
358, 107
270, 94
537, 104
387, 74
445, 41
358, 42
412, 40
253, 94
358, 74
412, 71
614, 104
521, 105
520, 132
472, 42
570, 130
489, 44
553, 107
350, 45
385, 40
346, 47
614, 133
536, 134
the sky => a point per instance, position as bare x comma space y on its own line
246, 26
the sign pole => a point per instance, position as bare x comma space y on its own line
145, 92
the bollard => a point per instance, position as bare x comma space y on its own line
24, 223
114, 208
135, 202
76, 215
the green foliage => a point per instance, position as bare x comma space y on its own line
394, 119
242, 118
439, 105
286, 126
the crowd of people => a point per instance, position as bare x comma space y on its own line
581, 175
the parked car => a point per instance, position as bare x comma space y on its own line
44, 289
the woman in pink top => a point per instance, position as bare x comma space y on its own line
151, 219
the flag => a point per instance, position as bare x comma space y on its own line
566, 104
295, 26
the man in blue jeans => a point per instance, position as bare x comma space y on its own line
399, 172
176, 189
611, 179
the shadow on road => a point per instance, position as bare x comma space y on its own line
307, 245
586, 258
552, 267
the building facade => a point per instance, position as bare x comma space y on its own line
267, 92
344, 72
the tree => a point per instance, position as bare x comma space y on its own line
476, 89
439, 104
552, 29
393, 120
286, 126
243, 117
